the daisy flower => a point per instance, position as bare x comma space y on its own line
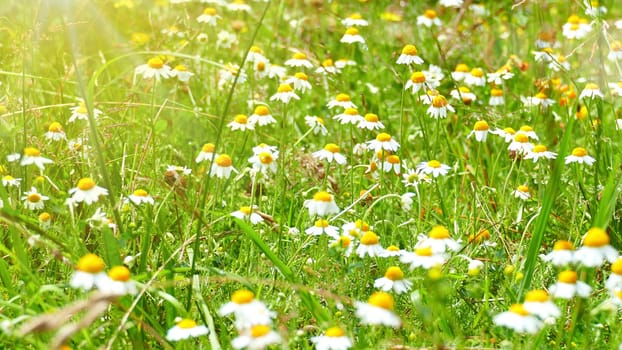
334, 338
393, 280
33, 156
591, 91
349, 116
154, 68
354, 19
322, 204
390, 163
247, 310
299, 59
616, 88
119, 282
222, 167
558, 63
433, 76
576, 28
500, 75
463, 94
593, 8
439, 240
206, 154
240, 122
562, 254
428, 19
140, 196
439, 107
383, 141
507, 133
422, 257
567, 286
519, 320
209, 16
34, 200
409, 55
616, 51
300, 81
595, 249
378, 310
545, 55
247, 213
276, 71
480, 130
521, 144
87, 191
356, 228
352, 36
579, 155
460, 72
540, 99
55, 132
330, 153
538, 303
255, 54
614, 281
45, 220
284, 93
341, 100
540, 151
327, 67
257, 337
476, 77
415, 83
181, 72
369, 244
80, 112
185, 329
10, 181
322, 226
342, 242
239, 5
392, 251
89, 272
317, 124
434, 168
521, 192
261, 116
370, 122
413, 177
264, 159
527, 130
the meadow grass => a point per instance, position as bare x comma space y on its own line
189, 174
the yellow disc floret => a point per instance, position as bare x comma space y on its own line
91, 263
242, 296
86, 184
596, 237
394, 273
381, 300
119, 273
369, 238
439, 232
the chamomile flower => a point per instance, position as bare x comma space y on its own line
429, 19
538, 303
300, 81
352, 36
593, 8
591, 91
439, 107
392, 163
299, 59
317, 124
327, 67
228, 74
451, 3
34, 200
356, 228
257, 337
89, 272
521, 192
576, 28
184, 329
595, 249
322, 226
239, 5
616, 51
206, 154
422, 257
521, 144
343, 242
480, 130
322, 204
415, 83
140, 196
614, 281
540, 99
568, 285
528, 130
540, 152
276, 72
330, 153
383, 141
562, 254
264, 160
284, 93
439, 240
349, 116
119, 282
369, 244
247, 310
460, 72
378, 310
409, 55
476, 77
434, 168
413, 177
80, 112
45, 220
10, 181
463, 94
87, 191
341, 100
182, 73
579, 155
370, 122
500, 75
616, 88
33, 156
433, 76
558, 63
519, 320
255, 54
354, 19
261, 116
55, 132
496, 97
247, 213
392, 251
507, 133
393, 280
222, 167
209, 16
334, 338
240, 122
154, 68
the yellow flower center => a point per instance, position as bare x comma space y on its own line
119, 273
523, 188
423, 251
334, 332
591, 86
477, 72
568, 276
383, 137
410, 50
327, 63
394, 273
541, 96
381, 300
439, 232
319, 120
431, 14
352, 31
616, 46
208, 148
351, 111
539, 148
462, 68
242, 296
417, 77
91, 263
355, 16
342, 98
301, 76
245, 210
223, 160
31, 152
45, 217
574, 19
345, 241
241, 119
86, 183
509, 131
526, 128
8, 178
259, 330
256, 49
141, 193
596, 237
34, 197
283, 88
369, 238
186, 324
519, 309
265, 157
55, 127
537, 295
300, 56
464, 89
393, 159
362, 225
210, 11
371, 117
522, 138
579, 152
481, 125
261, 66
434, 164
496, 92
393, 248
439, 101
321, 223
562, 245
155, 63
322, 196
616, 267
